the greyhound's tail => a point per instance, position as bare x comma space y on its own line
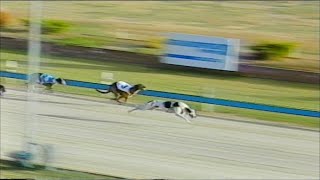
103, 91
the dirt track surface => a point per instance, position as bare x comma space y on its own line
103, 138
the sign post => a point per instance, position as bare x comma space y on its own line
34, 53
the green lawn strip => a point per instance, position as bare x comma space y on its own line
272, 117
235, 113
263, 91
203, 109
286, 18
11, 170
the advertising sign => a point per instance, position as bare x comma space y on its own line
202, 51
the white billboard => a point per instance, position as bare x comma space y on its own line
202, 51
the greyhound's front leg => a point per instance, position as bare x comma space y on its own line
185, 118
184, 114
118, 99
179, 112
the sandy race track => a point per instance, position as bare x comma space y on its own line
103, 138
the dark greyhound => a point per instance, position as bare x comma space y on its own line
122, 89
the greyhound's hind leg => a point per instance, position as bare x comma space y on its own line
143, 107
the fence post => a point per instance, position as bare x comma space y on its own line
106, 78
207, 92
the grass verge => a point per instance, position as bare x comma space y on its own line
263, 91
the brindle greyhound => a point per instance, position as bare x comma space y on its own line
122, 89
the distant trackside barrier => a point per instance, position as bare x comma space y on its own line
216, 101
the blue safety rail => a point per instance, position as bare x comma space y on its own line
13, 75
216, 101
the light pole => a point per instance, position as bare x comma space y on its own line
34, 55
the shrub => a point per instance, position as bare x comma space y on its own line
272, 51
54, 26
84, 41
25, 22
51, 26
6, 19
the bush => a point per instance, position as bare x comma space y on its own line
51, 26
6, 19
85, 41
25, 22
272, 51
54, 26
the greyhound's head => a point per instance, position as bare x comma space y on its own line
137, 88
191, 112
61, 81
140, 86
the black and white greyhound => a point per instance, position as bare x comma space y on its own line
179, 108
